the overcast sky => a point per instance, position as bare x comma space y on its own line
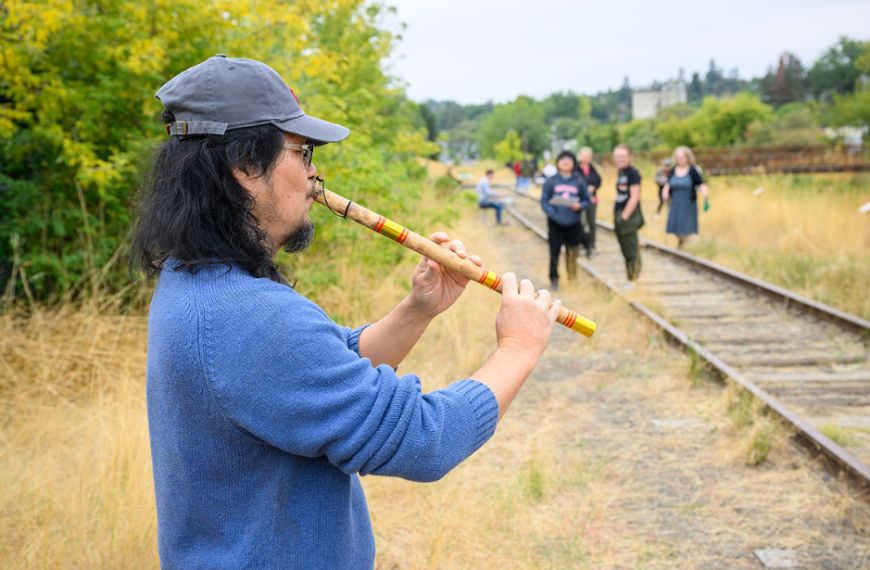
472, 51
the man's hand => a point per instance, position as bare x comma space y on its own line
524, 323
523, 328
434, 287
576, 207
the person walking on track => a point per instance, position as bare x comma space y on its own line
682, 188
262, 411
563, 197
527, 170
586, 169
661, 178
627, 216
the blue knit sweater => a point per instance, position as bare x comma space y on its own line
262, 413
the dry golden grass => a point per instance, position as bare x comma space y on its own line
574, 477
75, 467
803, 233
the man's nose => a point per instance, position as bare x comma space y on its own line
312, 170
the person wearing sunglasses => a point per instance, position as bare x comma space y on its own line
262, 411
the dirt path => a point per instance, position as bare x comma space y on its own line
613, 456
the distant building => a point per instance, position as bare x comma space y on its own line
646, 103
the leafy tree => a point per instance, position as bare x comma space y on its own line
639, 134
695, 90
449, 113
725, 122
677, 132
787, 84
713, 79
461, 140
852, 110
473, 112
560, 105
836, 70
567, 128
717, 123
525, 116
624, 93
792, 124
78, 114
510, 149
599, 137
678, 110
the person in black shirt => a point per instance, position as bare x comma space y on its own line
593, 183
627, 217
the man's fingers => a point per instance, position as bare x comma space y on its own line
439, 237
526, 288
544, 298
476, 260
458, 248
555, 309
509, 285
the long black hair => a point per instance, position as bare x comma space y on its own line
193, 209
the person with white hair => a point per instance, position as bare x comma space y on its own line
593, 183
682, 187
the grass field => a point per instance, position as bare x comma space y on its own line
76, 475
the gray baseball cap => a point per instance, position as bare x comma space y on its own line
221, 94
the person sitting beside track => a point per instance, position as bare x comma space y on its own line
486, 197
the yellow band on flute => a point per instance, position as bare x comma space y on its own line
391, 229
490, 279
577, 323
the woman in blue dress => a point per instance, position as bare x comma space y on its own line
683, 185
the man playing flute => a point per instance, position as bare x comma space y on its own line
263, 412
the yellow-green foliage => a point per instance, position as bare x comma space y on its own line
509, 150
719, 122
78, 116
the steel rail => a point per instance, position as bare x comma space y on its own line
836, 459
786, 298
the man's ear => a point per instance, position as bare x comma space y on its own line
245, 180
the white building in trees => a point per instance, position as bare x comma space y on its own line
646, 103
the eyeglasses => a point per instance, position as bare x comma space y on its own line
307, 152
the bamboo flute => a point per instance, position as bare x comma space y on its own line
388, 228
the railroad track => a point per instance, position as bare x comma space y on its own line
807, 362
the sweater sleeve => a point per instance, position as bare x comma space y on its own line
294, 379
